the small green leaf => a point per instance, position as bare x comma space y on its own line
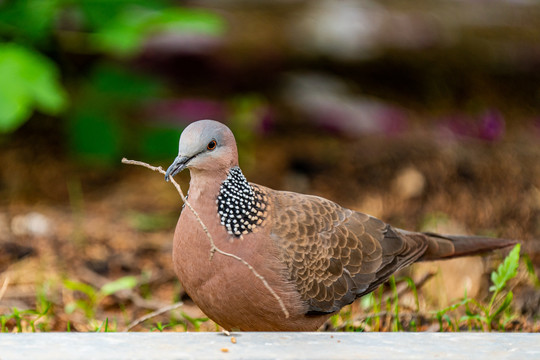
79, 286
196, 322
104, 325
506, 303
123, 283
367, 301
506, 270
470, 317
69, 308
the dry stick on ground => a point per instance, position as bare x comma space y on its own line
213, 247
405, 287
152, 314
4, 287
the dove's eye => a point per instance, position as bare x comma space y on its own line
211, 145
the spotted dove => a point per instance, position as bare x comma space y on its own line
316, 255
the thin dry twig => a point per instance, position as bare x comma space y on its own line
213, 247
404, 288
4, 287
153, 314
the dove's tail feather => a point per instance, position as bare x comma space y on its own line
450, 246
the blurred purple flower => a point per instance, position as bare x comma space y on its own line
266, 121
489, 127
456, 125
395, 120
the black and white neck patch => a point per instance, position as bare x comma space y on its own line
241, 206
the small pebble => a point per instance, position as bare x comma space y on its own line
33, 223
409, 183
233, 340
224, 350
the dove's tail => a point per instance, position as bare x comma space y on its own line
450, 246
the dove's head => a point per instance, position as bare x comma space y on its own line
205, 145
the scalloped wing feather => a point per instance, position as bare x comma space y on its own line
335, 255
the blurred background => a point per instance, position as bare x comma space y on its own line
425, 114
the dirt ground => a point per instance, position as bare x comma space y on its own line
62, 220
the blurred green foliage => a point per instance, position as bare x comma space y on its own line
117, 27
29, 80
99, 121
125, 33
91, 297
37, 38
28, 22
487, 317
